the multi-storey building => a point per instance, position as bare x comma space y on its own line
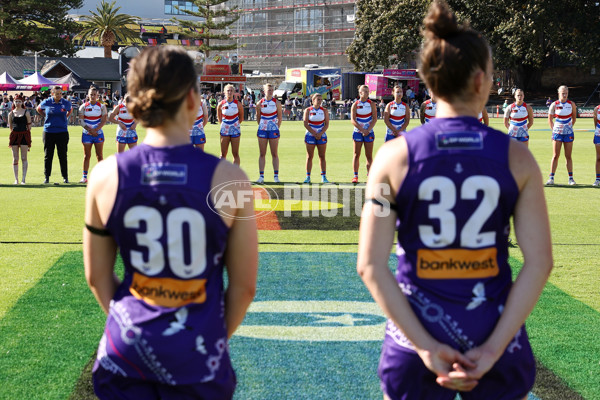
272, 34
275, 34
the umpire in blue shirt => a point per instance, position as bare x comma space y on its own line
56, 111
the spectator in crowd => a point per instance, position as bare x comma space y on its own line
380, 108
5, 107
287, 108
19, 124
55, 112
212, 101
252, 110
246, 105
295, 106
75, 104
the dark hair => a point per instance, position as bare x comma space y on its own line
451, 52
159, 79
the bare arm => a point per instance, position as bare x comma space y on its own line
529, 117
325, 124
112, 117
596, 116
386, 117
10, 121
306, 125
241, 253
486, 118
258, 107
353, 117
532, 229
422, 112
41, 111
99, 252
204, 115
507, 117
551, 116
376, 237
279, 114
373, 118
219, 113
574, 113
103, 118
240, 111
406, 119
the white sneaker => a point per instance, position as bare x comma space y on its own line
550, 182
276, 179
324, 179
596, 183
260, 180
572, 182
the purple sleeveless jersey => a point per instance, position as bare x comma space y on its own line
453, 225
166, 322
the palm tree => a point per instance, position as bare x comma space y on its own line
109, 26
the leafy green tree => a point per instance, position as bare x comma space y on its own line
385, 30
525, 37
208, 29
109, 26
32, 25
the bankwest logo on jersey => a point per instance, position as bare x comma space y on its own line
168, 292
457, 263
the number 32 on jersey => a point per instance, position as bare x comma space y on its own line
476, 257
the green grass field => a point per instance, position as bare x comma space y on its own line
50, 324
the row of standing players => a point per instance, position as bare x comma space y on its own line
93, 116
518, 118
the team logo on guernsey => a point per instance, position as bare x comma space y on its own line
158, 173
459, 140
457, 263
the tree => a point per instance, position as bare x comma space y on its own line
31, 25
525, 37
109, 26
209, 29
385, 30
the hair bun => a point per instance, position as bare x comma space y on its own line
440, 21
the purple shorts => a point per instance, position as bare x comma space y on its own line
108, 385
404, 376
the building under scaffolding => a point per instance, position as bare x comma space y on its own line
275, 34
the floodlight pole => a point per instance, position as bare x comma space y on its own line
35, 53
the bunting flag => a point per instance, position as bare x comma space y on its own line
198, 42
185, 42
152, 42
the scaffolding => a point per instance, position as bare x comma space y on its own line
275, 34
